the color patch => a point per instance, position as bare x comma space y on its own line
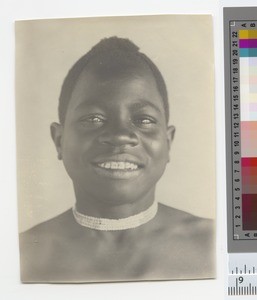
253, 61
249, 202
248, 52
248, 43
247, 34
248, 126
248, 138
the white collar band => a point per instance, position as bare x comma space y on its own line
116, 224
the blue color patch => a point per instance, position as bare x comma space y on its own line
248, 52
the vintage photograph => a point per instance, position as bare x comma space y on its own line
115, 148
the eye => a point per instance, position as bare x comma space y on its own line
145, 121
96, 120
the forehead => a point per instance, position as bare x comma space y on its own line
102, 87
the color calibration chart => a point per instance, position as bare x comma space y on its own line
240, 57
244, 115
247, 39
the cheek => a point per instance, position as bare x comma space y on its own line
78, 150
74, 142
158, 157
72, 149
157, 148
71, 144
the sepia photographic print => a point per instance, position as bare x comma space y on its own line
115, 148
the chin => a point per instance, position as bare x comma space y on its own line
121, 193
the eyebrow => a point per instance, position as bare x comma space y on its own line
143, 103
84, 104
140, 103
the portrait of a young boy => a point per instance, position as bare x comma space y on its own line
114, 136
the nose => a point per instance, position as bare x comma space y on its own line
119, 135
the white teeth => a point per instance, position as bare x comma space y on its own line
114, 165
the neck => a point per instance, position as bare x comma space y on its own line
112, 208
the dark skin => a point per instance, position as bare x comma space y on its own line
116, 118
174, 245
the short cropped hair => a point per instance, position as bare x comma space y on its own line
110, 53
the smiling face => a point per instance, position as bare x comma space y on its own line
115, 140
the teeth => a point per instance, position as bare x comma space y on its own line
114, 165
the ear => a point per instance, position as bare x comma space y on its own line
56, 134
170, 136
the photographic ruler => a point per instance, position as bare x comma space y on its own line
240, 57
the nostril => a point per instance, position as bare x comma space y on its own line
119, 138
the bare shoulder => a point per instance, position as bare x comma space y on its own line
174, 245
191, 241
55, 223
185, 223
38, 243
